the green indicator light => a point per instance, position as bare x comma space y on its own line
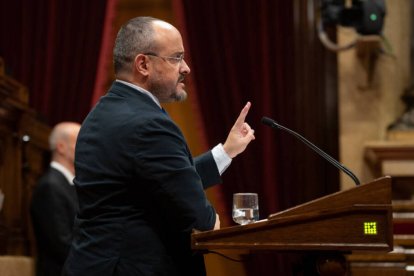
373, 17
370, 228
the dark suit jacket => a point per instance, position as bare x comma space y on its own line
53, 210
140, 193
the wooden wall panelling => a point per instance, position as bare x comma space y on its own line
12, 105
20, 164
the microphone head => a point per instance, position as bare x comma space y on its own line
267, 121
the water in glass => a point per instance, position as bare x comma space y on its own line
245, 208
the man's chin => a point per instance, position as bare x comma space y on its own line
180, 96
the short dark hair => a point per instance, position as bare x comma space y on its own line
136, 36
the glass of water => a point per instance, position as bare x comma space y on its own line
245, 208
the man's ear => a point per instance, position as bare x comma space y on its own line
141, 64
60, 147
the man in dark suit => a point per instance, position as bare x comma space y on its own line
54, 202
140, 191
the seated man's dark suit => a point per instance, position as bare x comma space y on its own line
140, 193
53, 210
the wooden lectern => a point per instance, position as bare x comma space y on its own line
358, 219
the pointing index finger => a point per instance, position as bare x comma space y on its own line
240, 120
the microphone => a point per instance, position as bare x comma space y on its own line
269, 122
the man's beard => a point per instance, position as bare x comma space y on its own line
165, 95
179, 97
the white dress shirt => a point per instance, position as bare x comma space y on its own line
68, 174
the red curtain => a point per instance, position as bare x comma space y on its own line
54, 48
266, 52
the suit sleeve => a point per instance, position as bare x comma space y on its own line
163, 160
207, 169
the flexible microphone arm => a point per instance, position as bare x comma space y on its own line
269, 122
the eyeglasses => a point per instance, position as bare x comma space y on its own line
174, 60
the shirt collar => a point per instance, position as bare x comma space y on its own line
142, 90
68, 175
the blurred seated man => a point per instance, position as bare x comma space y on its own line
54, 202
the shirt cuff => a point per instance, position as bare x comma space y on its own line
221, 157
